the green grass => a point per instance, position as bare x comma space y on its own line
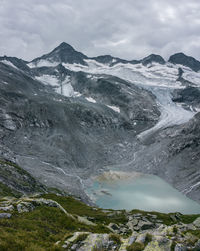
42, 227
136, 246
81, 237
148, 239
15, 180
19, 169
78, 240
74, 206
166, 217
173, 245
6, 191
196, 233
115, 238
175, 229
187, 219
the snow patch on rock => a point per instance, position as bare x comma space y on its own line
9, 63
90, 99
42, 63
114, 108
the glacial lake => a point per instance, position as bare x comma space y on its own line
118, 190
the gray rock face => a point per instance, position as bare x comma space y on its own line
197, 245
47, 130
132, 223
91, 242
64, 53
180, 247
109, 60
144, 225
173, 154
16, 62
17, 180
181, 58
189, 95
25, 207
159, 243
5, 215
7, 208
152, 59
112, 91
113, 226
197, 222
61, 141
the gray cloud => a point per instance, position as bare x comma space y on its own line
127, 29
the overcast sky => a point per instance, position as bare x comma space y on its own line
129, 29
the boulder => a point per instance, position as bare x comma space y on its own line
159, 243
137, 215
190, 227
132, 239
97, 242
197, 245
5, 215
24, 207
197, 222
141, 238
173, 218
132, 223
7, 208
144, 225
114, 227
84, 220
180, 247
168, 230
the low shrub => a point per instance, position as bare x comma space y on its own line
136, 246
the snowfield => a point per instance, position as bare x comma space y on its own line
161, 80
8, 63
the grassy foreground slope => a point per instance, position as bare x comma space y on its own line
49, 221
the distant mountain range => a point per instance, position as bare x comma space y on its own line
65, 117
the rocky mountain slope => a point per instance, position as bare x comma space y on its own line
66, 117
55, 222
52, 221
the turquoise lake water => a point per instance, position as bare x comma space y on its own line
147, 192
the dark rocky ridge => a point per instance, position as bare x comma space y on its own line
152, 58
19, 63
14, 181
107, 59
190, 95
181, 58
64, 53
113, 91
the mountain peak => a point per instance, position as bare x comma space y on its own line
63, 53
153, 58
181, 58
65, 46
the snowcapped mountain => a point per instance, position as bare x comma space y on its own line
66, 116
64, 53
